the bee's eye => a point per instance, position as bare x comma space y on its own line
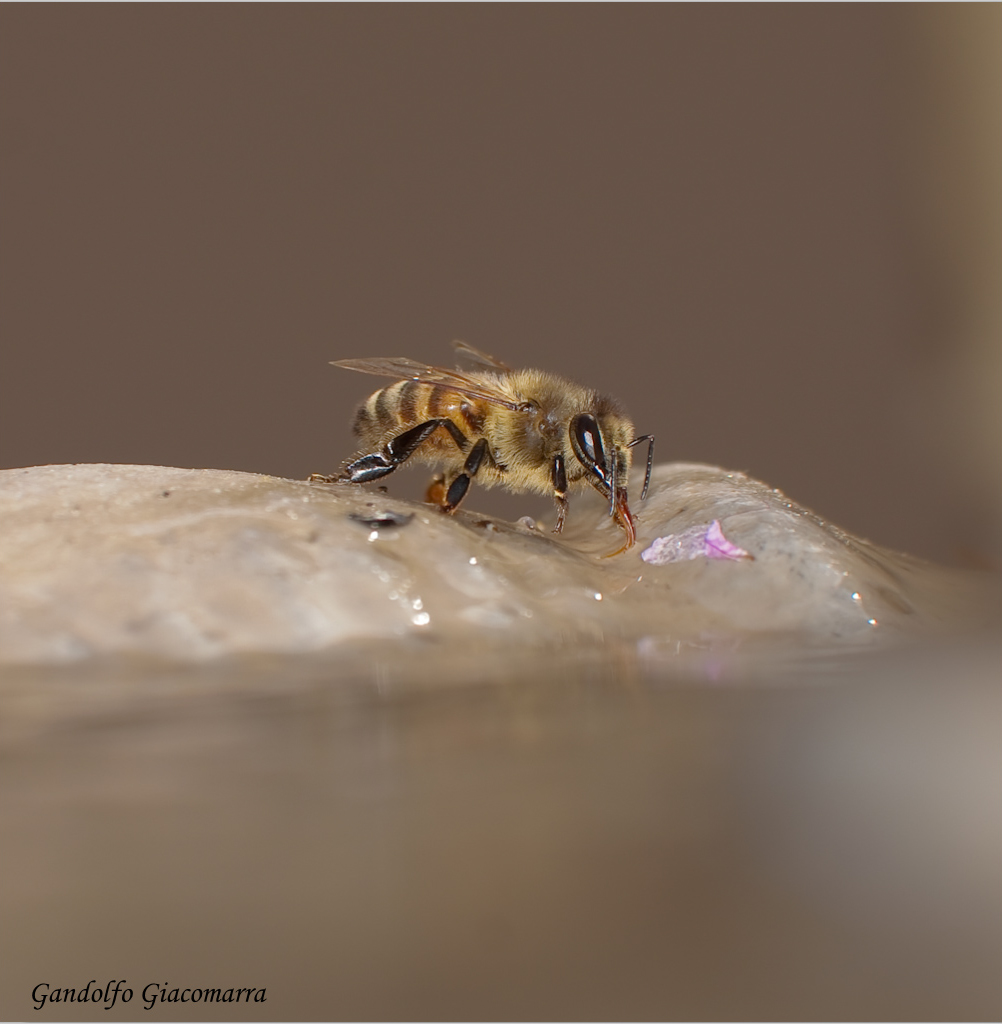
586, 440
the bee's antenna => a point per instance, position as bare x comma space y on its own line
649, 438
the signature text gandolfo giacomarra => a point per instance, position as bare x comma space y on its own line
152, 994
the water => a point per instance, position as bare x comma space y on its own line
813, 841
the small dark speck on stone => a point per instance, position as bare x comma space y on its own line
165, 494
381, 520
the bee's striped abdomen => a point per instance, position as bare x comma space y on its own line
409, 400
437, 399
391, 411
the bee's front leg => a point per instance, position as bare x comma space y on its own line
560, 491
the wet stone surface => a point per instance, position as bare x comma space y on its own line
196, 564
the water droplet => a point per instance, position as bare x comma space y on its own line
856, 596
598, 596
417, 604
872, 622
473, 561
373, 535
421, 619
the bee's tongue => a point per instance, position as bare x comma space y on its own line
624, 518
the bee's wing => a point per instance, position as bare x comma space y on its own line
479, 358
454, 380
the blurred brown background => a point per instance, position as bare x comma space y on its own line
768, 229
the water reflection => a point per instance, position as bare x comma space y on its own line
593, 840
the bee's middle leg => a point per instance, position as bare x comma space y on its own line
458, 488
397, 451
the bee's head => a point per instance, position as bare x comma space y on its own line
605, 455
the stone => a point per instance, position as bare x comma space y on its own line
194, 564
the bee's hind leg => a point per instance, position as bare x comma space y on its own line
397, 451
456, 490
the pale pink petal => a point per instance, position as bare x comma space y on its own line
703, 541
718, 546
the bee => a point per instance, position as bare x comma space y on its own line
526, 430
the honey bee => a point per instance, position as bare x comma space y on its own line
526, 430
